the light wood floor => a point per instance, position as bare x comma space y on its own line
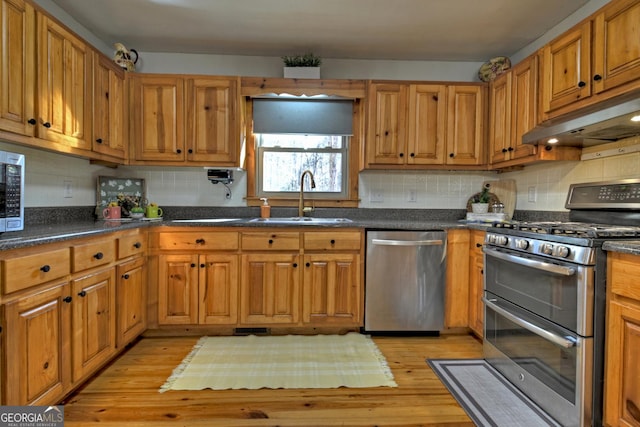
126, 392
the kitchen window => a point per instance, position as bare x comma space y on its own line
291, 135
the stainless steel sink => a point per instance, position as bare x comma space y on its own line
301, 220
208, 220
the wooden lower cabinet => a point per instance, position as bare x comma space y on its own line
622, 371
331, 291
93, 322
131, 294
270, 288
218, 289
476, 282
38, 347
456, 310
178, 290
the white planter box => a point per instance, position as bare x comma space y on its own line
302, 72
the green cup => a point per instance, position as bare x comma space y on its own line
153, 212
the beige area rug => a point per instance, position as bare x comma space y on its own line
291, 361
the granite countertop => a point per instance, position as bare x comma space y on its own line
624, 246
41, 234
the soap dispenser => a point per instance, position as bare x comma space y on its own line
265, 209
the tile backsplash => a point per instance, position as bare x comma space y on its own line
50, 175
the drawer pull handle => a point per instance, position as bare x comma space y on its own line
333, 242
46, 365
125, 276
200, 241
137, 245
82, 293
99, 255
45, 268
270, 241
478, 245
67, 299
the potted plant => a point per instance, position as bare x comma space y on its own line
480, 201
305, 66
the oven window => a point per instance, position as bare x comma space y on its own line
552, 364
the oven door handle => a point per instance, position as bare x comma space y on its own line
549, 336
385, 242
539, 265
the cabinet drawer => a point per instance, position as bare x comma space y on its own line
332, 241
92, 254
29, 270
624, 270
277, 241
131, 245
205, 240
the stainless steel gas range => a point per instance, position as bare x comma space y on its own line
544, 295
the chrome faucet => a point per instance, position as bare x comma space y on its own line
301, 208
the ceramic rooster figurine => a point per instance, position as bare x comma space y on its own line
123, 58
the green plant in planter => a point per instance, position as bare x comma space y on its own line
306, 60
483, 197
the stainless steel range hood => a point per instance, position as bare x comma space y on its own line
610, 122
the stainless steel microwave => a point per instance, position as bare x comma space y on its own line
11, 191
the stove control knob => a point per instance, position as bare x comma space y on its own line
491, 238
522, 244
547, 248
562, 251
502, 240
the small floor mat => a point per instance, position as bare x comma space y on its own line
488, 398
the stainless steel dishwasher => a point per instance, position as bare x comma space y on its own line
405, 281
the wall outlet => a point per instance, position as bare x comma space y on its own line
412, 196
376, 196
68, 189
533, 194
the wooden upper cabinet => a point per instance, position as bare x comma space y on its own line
465, 125
17, 67
616, 47
513, 111
108, 118
157, 118
64, 85
427, 118
212, 120
387, 124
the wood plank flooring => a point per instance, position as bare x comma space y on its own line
126, 392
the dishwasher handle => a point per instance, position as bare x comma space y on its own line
385, 242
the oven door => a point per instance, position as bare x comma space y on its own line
550, 364
559, 291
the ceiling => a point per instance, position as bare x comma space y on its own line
426, 30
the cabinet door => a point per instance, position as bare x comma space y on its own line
178, 290
426, 124
108, 107
456, 312
387, 124
157, 118
566, 69
64, 82
131, 295
476, 283
93, 322
524, 105
17, 67
616, 51
270, 289
39, 357
465, 125
500, 118
622, 387
212, 127
218, 289
331, 291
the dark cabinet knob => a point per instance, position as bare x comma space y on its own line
200, 241
548, 148
308, 264
412, 155
202, 265
510, 148
451, 154
270, 241
597, 77
333, 242
581, 84
504, 150
46, 365
193, 265
99, 255
32, 121
125, 276
82, 294
482, 271
295, 265
178, 151
478, 245
45, 268
401, 154
190, 150
67, 299
137, 245
47, 125
99, 140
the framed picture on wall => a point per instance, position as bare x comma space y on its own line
127, 192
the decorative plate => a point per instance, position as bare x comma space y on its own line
493, 68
